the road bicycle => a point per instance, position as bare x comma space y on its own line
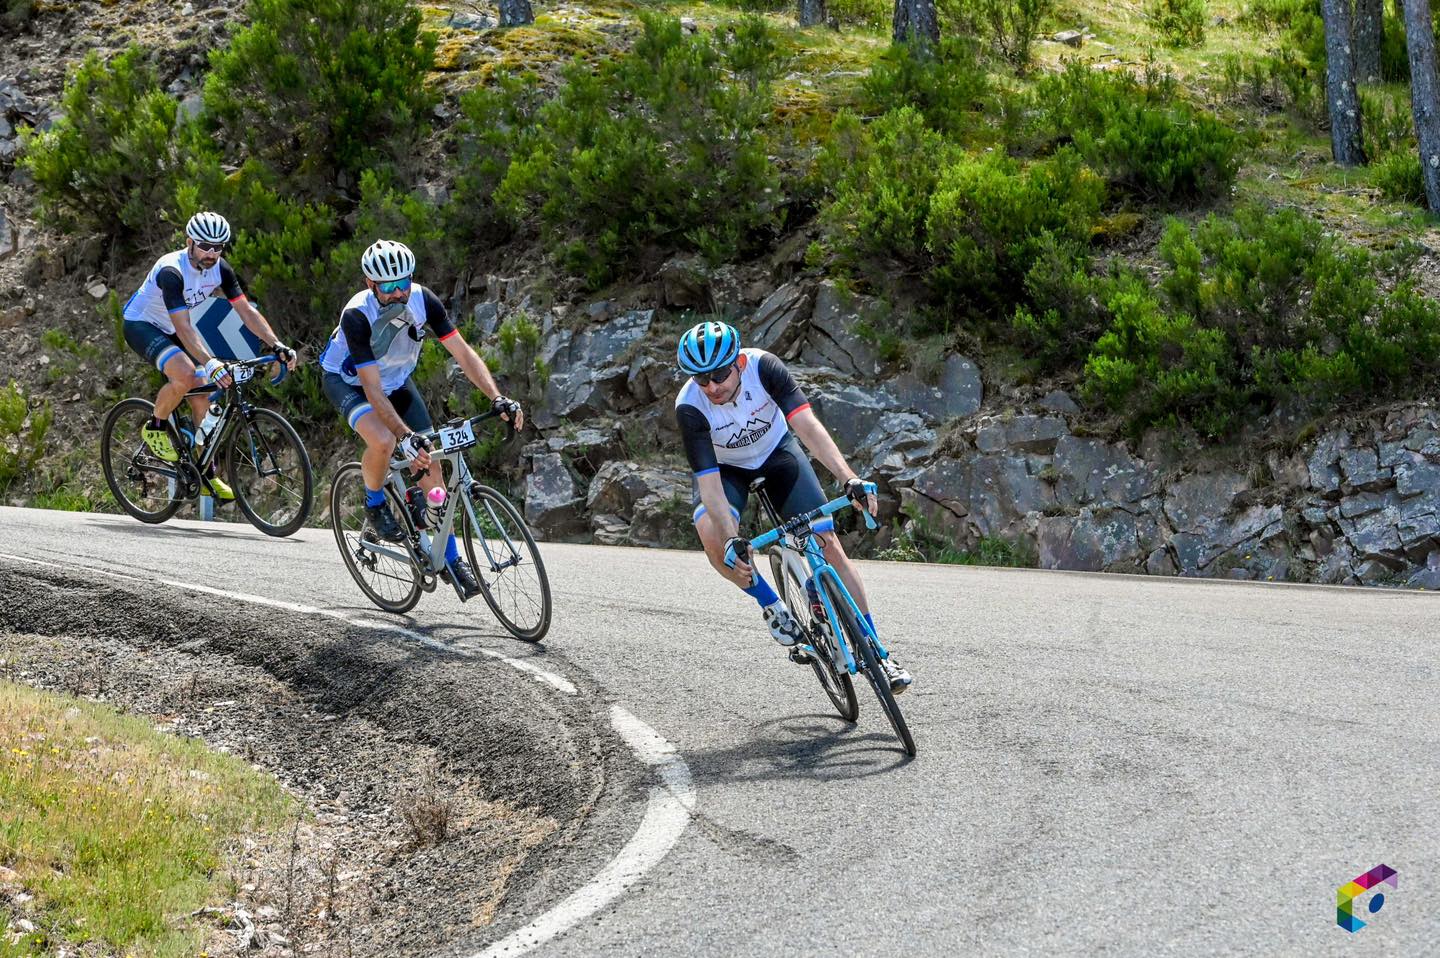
264, 460
835, 653
497, 543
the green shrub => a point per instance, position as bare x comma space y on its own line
106, 165
20, 446
875, 14
661, 146
1180, 23
1258, 308
496, 123
881, 188
1012, 26
14, 15
949, 88
990, 217
1064, 310
1386, 120
322, 90
1139, 134
1398, 177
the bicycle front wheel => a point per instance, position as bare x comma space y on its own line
860, 643
507, 562
391, 584
835, 681
269, 470
145, 486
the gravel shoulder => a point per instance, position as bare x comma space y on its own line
449, 798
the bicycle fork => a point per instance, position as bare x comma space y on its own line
820, 569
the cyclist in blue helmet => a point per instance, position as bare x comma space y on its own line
740, 414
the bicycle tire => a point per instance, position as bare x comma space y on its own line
479, 496
237, 456
834, 681
111, 444
860, 643
347, 489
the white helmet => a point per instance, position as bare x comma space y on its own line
208, 228
388, 260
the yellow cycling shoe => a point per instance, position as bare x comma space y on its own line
222, 489
159, 442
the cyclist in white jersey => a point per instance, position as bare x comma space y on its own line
158, 327
367, 365
736, 415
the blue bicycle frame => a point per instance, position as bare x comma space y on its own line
803, 539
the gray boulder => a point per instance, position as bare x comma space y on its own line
897, 443
850, 412
596, 346
684, 282
9, 237
779, 322
1035, 433
1324, 462
958, 393
830, 339
653, 504
1088, 470
1202, 496
940, 493
1095, 540
650, 380
1059, 400
585, 449
552, 498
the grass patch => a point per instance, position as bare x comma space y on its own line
118, 830
918, 541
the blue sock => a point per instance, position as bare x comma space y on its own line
871, 622
374, 497
452, 551
761, 592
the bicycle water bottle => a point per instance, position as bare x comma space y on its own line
208, 424
415, 502
436, 498
817, 608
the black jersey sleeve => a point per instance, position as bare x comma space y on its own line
356, 328
436, 318
172, 288
230, 282
776, 379
695, 436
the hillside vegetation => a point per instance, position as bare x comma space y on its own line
1148, 216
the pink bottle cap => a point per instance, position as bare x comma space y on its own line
436, 496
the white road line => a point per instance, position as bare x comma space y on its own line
667, 813
666, 816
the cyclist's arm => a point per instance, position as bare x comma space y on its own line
817, 440
249, 315
700, 451
172, 288
470, 362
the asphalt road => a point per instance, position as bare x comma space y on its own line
1107, 764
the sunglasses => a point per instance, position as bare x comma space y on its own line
210, 247
714, 375
394, 285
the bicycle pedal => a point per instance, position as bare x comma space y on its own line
802, 654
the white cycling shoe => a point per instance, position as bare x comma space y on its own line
783, 627
899, 678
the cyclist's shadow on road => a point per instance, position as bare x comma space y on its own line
211, 531
818, 746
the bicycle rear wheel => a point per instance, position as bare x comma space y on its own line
835, 681
507, 562
391, 584
269, 470
145, 486
860, 644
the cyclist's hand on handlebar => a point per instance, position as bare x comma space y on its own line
509, 411
415, 448
737, 558
862, 494
216, 373
287, 355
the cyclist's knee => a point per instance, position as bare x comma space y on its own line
834, 551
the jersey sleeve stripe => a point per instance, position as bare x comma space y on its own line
798, 409
178, 310
706, 472
373, 362
235, 299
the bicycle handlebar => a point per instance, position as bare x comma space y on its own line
764, 540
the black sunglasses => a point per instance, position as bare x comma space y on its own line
210, 247
714, 375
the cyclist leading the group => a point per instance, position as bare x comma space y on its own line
158, 327
740, 415
367, 366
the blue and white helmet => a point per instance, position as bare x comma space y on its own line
208, 228
387, 260
708, 346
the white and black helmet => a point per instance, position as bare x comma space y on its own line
208, 228
388, 260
